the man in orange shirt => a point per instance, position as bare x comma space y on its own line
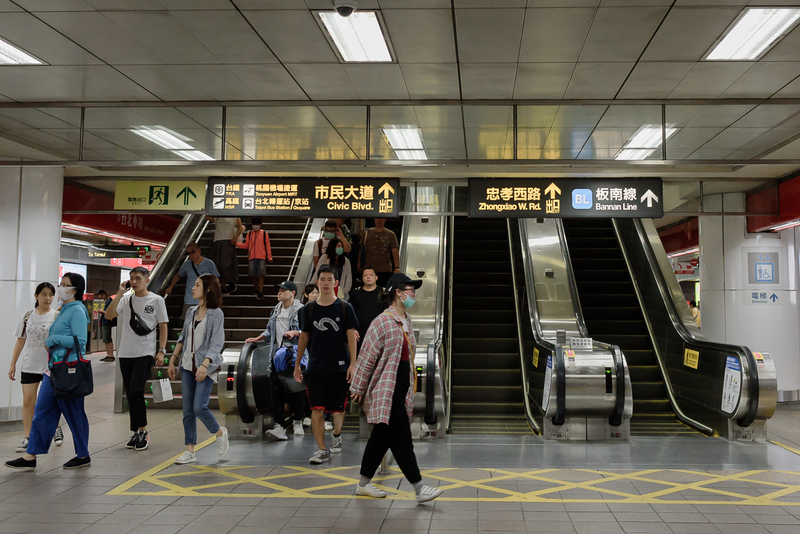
257, 244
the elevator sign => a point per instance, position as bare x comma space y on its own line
303, 197
565, 197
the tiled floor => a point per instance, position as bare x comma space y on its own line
492, 483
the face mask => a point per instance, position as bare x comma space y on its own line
328, 235
339, 251
62, 292
409, 301
256, 227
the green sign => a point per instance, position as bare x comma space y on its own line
160, 195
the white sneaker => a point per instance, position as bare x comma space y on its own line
307, 421
277, 433
370, 491
336, 443
22, 447
186, 458
222, 442
328, 426
58, 439
427, 493
298, 428
319, 457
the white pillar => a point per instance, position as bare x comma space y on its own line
30, 236
729, 311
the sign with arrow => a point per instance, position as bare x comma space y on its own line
565, 197
160, 195
303, 197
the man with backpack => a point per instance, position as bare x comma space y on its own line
284, 326
329, 332
257, 245
193, 268
381, 251
329, 231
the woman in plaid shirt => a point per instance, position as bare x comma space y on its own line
384, 381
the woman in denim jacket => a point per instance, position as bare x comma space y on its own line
70, 324
203, 337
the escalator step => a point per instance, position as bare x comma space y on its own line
652, 406
472, 266
611, 326
609, 300
490, 347
595, 253
638, 358
487, 377
464, 278
488, 408
487, 394
649, 390
472, 256
498, 317
603, 312
627, 342
462, 331
483, 360
481, 304
644, 373
483, 290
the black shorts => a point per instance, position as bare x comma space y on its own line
327, 391
30, 378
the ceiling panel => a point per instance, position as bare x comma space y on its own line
792, 90
655, 80
226, 35
46, 118
421, 35
542, 80
570, 140
620, 34
771, 116
597, 80
769, 139
54, 5
409, 4
477, 117
734, 137
35, 37
163, 36
489, 143
268, 82
101, 37
293, 36
700, 116
197, 5
12, 151
489, 35
431, 80
488, 80
554, 35
710, 79
692, 138
125, 5
56, 84
439, 117
7, 6
578, 116
326, 81
189, 82
763, 80
376, 81
124, 118
534, 117
346, 117
695, 28
630, 117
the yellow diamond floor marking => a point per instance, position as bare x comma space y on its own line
339, 482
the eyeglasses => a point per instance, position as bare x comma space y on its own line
413, 290
190, 252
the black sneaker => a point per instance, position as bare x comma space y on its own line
21, 463
231, 288
142, 440
77, 463
259, 295
132, 442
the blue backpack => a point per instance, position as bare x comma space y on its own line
285, 358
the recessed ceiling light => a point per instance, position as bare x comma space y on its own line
358, 37
193, 155
11, 55
411, 154
644, 142
163, 137
754, 32
406, 141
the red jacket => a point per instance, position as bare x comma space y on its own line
257, 243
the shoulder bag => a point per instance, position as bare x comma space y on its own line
71, 378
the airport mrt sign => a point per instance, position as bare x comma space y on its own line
566, 197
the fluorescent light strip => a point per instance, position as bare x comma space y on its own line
411, 154
163, 137
785, 226
644, 142
358, 37
11, 55
193, 155
683, 252
404, 137
754, 33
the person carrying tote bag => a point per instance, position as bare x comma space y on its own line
68, 332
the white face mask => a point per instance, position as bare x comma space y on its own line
62, 292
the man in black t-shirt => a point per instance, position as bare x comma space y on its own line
366, 302
329, 332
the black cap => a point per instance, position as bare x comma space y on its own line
400, 279
291, 286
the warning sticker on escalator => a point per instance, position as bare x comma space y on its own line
732, 385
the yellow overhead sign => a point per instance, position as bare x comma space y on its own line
160, 195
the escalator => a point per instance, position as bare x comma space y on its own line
486, 379
612, 314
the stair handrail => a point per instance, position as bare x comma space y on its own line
190, 228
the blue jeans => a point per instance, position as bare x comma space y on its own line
47, 415
195, 406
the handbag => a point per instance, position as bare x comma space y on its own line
162, 390
71, 379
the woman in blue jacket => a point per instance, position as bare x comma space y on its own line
201, 342
71, 323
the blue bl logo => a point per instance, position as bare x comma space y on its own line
582, 199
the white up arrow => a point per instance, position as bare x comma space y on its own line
649, 196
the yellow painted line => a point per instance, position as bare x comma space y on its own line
788, 448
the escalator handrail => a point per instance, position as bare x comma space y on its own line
300, 246
245, 414
167, 258
438, 322
561, 386
430, 384
176, 257
448, 356
689, 339
573, 285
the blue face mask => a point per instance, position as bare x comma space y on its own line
339, 251
409, 301
328, 235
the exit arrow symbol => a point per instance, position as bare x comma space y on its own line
773, 297
385, 190
185, 192
552, 190
650, 197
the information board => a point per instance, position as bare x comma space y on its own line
303, 197
163, 195
565, 197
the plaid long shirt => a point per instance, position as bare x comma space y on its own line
376, 367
